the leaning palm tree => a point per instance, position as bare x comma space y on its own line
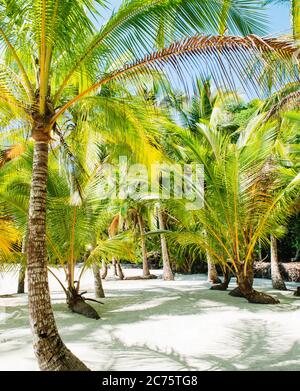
66, 60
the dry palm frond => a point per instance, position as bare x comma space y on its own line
221, 55
288, 102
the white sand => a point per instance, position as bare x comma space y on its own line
158, 325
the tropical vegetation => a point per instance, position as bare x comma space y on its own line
176, 82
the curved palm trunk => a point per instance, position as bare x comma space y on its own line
114, 268
51, 352
212, 274
99, 291
104, 270
236, 292
167, 271
146, 271
222, 286
119, 271
277, 280
245, 288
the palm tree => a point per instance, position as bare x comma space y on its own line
205, 108
277, 280
167, 271
133, 214
243, 201
73, 206
286, 98
41, 84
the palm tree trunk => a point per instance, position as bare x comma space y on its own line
120, 271
104, 270
222, 286
22, 271
259, 250
245, 287
114, 267
212, 274
99, 291
277, 280
50, 351
146, 272
167, 271
21, 279
295, 11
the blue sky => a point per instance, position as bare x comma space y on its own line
279, 17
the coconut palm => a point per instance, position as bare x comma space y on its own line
80, 217
284, 151
133, 215
207, 107
167, 270
243, 200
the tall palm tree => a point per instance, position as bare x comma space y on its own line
167, 270
39, 85
207, 107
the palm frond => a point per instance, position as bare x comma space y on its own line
217, 53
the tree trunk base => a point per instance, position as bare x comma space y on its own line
236, 292
261, 298
222, 286
279, 285
214, 280
78, 305
297, 292
60, 360
219, 287
150, 277
104, 270
168, 277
